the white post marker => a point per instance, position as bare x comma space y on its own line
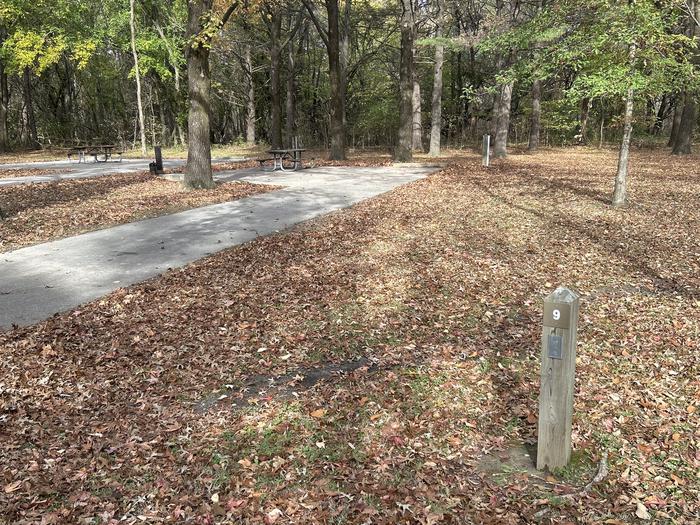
558, 365
486, 150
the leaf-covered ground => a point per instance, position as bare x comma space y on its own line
157, 403
36, 213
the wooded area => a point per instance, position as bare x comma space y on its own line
370, 73
384, 326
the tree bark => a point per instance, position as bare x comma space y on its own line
30, 136
338, 47
403, 147
417, 134
250, 103
534, 138
4, 104
583, 124
275, 82
686, 127
677, 114
660, 116
436, 108
198, 173
620, 193
337, 127
139, 103
345, 65
291, 92
500, 144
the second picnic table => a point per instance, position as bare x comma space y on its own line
102, 150
279, 156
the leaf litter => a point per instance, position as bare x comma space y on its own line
439, 285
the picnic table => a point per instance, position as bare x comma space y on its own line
292, 156
101, 152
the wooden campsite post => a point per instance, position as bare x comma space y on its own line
558, 364
486, 150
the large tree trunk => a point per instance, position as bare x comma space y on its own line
30, 135
250, 103
417, 134
335, 68
534, 139
345, 65
686, 127
139, 103
275, 83
500, 144
291, 92
436, 108
403, 147
620, 193
677, 114
689, 117
198, 173
4, 103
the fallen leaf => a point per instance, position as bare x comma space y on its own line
272, 516
11, 487
642, 513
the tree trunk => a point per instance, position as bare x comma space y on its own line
403, 147
436, 108
250, 107
500, 144
686, 127
4, 103
30, 137
417, 134
677, 114
583, 125
620, 193
275, 83
335, 68
344, 65
534, 139
139, 103
660, 116
291, 92
198, 173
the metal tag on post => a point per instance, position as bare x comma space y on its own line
554, 346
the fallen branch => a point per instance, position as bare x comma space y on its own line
600, 476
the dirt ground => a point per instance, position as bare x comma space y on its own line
380, 364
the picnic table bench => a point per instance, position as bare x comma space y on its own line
279, 157
101, 153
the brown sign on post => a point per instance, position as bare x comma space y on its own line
558, 364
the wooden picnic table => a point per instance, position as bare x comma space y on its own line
101, 150
279, 156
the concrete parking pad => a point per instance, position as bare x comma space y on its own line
39, 281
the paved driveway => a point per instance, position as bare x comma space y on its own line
41, 280
65, 170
